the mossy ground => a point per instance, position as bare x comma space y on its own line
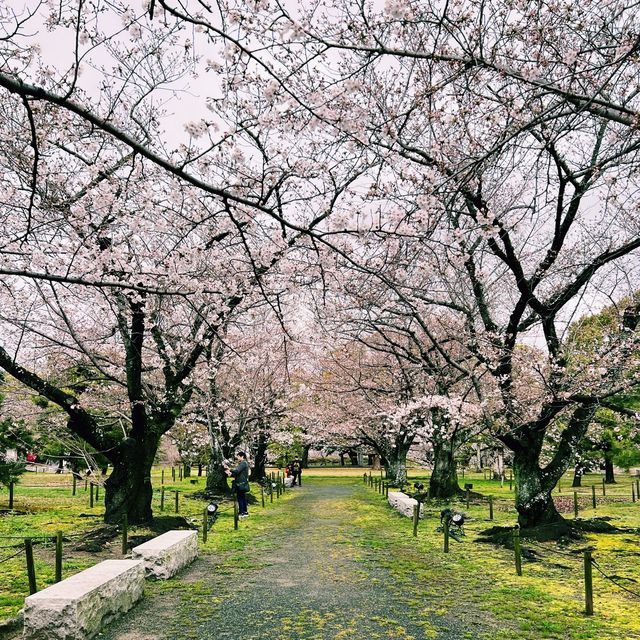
365, 553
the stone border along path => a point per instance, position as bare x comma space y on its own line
314, 579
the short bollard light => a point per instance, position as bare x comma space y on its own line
212, 510
211, 513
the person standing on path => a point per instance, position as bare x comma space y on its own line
240, 482
297, 471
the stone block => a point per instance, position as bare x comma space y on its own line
78, 607
165, 555
404, 504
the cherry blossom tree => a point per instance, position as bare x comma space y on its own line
504, 146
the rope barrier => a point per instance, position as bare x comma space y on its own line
604, 575
551, 550
10, 546
15, 555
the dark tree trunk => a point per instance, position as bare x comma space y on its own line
395, 459
609, 476
578, 470
342, 459
534, 503
199, 470
60, 468
260, 457
396, 467
216, 477
305, 456
534, 483
353, 457
444, 479
186, 471
128, 489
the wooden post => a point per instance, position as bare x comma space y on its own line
588, 583
86, 482
58, 556
510, 480
162, 499
162, 477
125, 534
490, 507
205, 524
575, 504
633, 493
173, 474
517, 551
446, 534
235, 511
262, 495
364, 478
97, 492
91, 495
180, 473
73, 490
468, 496
593, 495
31, 568
604, 490
416, 518
11, 495
271, 492
177, 502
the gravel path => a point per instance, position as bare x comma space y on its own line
308, 582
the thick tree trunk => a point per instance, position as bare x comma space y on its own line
217, 484
498, 465
396, 464
342, 459
260, 457
533, 493
609, 476
128, 489
305, 456
577, 476
353, 457
444, 478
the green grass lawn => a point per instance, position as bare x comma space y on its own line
547, 601
43, 505
473, 579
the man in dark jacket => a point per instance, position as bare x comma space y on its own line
240, 482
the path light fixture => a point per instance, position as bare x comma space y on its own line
212, 514
454, 520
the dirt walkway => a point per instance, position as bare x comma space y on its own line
318, 578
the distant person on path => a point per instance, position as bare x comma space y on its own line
296, 472
240, 482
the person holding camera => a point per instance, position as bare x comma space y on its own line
240, 482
